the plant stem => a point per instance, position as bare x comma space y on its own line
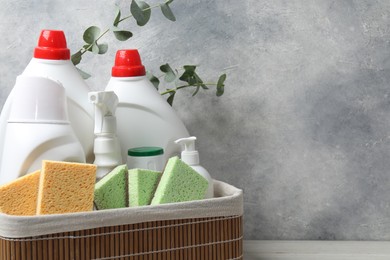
184, 86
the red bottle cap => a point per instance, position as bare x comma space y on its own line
52, 46
128, 64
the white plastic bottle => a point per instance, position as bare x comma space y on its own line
38, 128
106, 146
144, 117
52, 59
191, 157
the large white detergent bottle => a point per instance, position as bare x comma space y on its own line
52, 59
37, 129
144, 118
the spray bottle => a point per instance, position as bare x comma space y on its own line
37, 129
191, 157
106, 146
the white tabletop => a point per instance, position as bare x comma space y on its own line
316, 250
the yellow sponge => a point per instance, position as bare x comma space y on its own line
66, 187
19, 197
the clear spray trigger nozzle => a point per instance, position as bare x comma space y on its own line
105, 105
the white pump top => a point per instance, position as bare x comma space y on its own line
189, 155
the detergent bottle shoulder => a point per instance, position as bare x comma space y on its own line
37, 129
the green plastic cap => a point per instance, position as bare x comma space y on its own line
145, 151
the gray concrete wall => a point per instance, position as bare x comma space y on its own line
304, 124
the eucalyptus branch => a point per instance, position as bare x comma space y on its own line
189, 77
140, 11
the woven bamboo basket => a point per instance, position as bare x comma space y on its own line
206, 229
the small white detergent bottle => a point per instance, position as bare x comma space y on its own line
191, 157
37, 129
144, 118
52, 59
106, 146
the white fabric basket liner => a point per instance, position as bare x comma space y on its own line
228, 201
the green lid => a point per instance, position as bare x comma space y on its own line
145, 151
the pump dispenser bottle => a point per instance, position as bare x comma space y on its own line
52, 59
106, 146
37, 129
191, 157
144, 116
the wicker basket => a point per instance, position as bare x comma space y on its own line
207, 229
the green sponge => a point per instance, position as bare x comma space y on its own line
111, 190
178, 183
142, 184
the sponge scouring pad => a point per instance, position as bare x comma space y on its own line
142, 185
65, 187
111, 190
178, 183
19, 197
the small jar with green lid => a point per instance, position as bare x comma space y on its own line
148, 157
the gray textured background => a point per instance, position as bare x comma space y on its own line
304, 124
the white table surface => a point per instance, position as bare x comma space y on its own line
316, 250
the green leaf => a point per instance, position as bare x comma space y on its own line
192, 81
83, 74
91, 34
155, 81
102, 48
76, 58
147, 11
190, 68
221, 80
169, 73
117, 17
220, 91
95, 48
122, 35
168, 2
167, 12
221, 85
171, 97
199, 81
188, 74
192, 78
140, 11
196, 91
